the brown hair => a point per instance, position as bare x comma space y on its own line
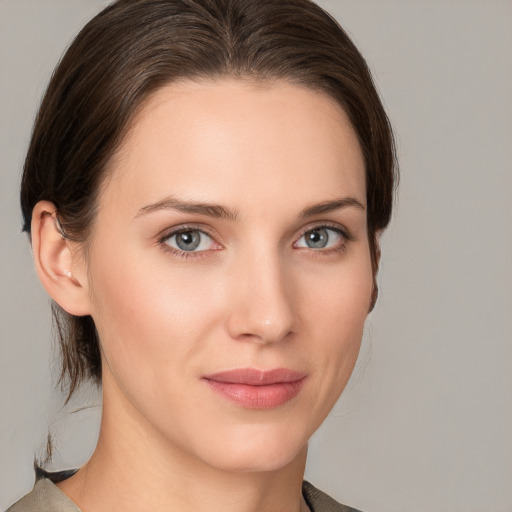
134, 47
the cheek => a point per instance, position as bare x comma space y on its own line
336, 315
338, 301
149, 314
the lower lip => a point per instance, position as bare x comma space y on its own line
258, 397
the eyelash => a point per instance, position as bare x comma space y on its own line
345, 235
184, 229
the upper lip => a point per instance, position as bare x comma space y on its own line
255, 377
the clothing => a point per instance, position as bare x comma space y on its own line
318, 501
47, 497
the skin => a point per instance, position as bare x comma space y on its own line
254, 294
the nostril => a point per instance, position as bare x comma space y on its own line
264, 331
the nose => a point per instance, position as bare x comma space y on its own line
261, 301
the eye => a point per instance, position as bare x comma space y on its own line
321, 238
189, 240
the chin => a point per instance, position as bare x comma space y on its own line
256, 448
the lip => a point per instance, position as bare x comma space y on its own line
257, 389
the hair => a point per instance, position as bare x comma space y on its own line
135, 47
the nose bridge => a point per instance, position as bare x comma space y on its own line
262, 308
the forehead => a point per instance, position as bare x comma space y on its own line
231, 137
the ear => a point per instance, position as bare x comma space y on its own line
375, 268
58, 262
377, 252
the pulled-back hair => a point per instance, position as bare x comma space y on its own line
133, 48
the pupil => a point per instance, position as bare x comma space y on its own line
317, 239
188, 240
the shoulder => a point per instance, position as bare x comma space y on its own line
318, 501
44, 497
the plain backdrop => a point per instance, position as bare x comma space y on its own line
426, 421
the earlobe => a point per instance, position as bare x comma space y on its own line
59, 268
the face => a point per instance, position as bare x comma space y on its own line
229, 270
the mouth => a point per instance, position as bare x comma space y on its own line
257, 389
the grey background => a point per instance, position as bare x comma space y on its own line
426, 421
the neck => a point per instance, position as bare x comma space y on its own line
134, 468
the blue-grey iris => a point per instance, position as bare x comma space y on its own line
188, 240
317, 238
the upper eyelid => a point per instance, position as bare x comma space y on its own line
168, 232
328, 225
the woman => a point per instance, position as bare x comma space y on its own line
204, 191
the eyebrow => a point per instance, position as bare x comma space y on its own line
170, 203
329, 206
221, 212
